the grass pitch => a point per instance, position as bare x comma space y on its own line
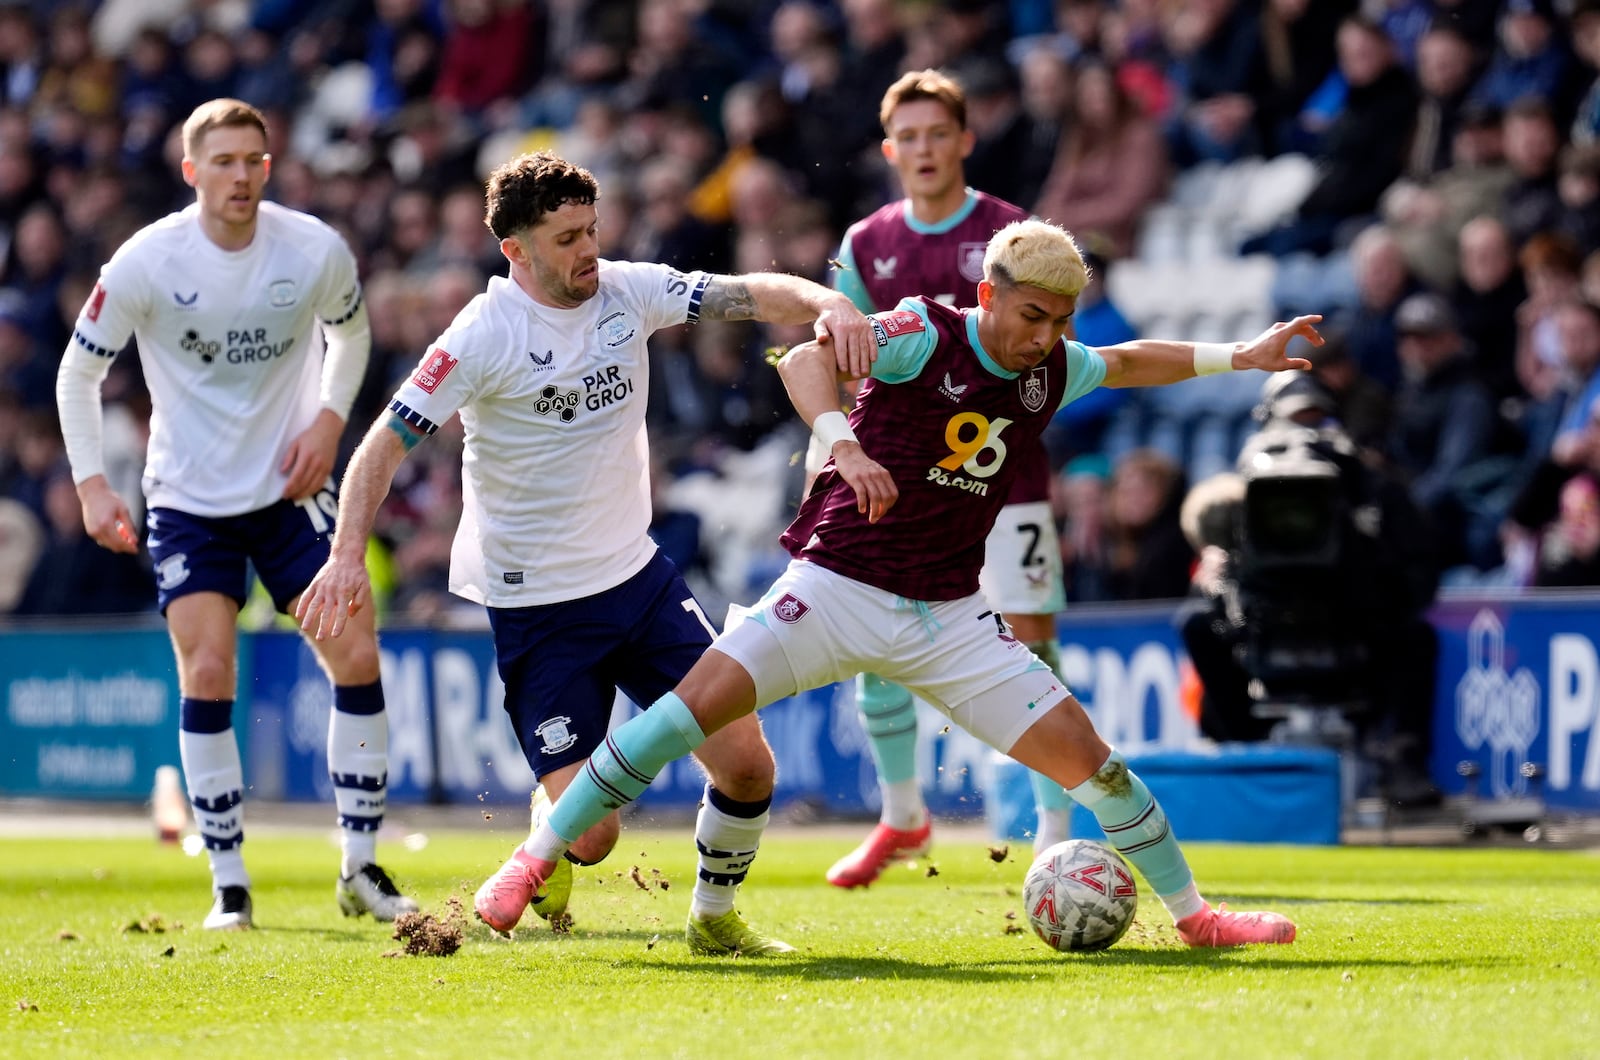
1402, 952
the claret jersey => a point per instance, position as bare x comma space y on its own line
230, 348
545, 395
945, 420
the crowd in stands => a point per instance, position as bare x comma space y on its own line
1426, 173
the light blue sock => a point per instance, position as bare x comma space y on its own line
890, 717
1135, 824
624, 765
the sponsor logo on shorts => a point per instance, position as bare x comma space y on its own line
173, 571
1034, 389
790, 608
513, 577
556, 735
434, 369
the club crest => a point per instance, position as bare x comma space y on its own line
969, 260
790, 608
1034, 390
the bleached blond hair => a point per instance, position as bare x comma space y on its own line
1038, 254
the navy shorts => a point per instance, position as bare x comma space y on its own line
286, 543
563, 663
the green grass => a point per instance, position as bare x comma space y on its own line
1402, 952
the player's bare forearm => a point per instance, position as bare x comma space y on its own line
778, 298
773, 297
809, 375
1153, 362
367, 480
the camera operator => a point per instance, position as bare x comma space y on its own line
1312, 588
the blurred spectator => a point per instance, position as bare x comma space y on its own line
1550, 532
1578, 187
1530, 60
665, 231
1365, 146
1382, 281
1110, 164
1214, 44
1531, 144
1081, 499
489, 53
1297, 56
1550, 264
74, 575
1362, 406
402, 53
1148, 558
1014, 146
1427, 214
1485, 296
1443, 421
1447, 64
1476, 20
21, 542
1586, 43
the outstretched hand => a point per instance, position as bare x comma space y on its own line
1269, 350
874, 486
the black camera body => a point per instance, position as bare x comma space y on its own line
1301, 581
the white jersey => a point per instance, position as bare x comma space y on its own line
230, 346
556, 473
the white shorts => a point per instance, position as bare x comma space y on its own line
1022, 561
815, 627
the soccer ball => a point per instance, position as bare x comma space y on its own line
1079, 896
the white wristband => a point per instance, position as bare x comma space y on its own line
1213, 357
832, 427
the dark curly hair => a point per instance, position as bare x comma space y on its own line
523, 190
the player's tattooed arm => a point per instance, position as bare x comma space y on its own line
727, 298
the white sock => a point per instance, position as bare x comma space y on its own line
358, 764
903, 808
1185, 903
727, 845
1052, 829
214, 778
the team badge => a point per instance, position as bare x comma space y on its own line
282, 293
790, 608
556, 735
96, 302
969, 260
434, 369
1034, 390
615, 330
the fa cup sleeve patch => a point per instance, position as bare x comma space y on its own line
434, 369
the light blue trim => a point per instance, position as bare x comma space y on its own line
941, 227
984, 359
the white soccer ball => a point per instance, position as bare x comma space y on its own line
1080, 896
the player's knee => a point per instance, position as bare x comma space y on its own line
208, 675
